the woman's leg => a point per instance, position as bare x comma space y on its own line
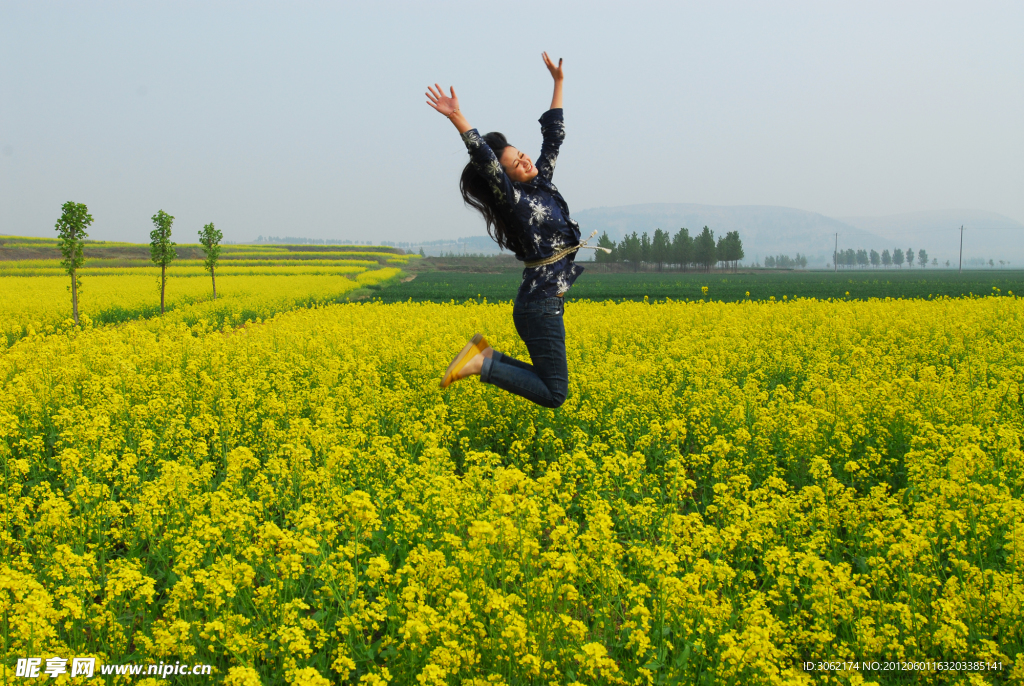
546, 381
505, 359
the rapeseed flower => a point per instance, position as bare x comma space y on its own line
293, 500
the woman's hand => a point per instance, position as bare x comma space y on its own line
441, 102
556, 72
448, 106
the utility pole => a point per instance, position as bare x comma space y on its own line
961, 249
835, 256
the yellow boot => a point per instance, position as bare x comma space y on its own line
476, 345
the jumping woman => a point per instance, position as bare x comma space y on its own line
527, 215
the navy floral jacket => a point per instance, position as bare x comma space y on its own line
537, 208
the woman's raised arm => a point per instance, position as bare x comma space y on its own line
448, 106
556, 74
480, 153
552, 127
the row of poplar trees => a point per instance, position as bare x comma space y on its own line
863, 258
681, 250
72, 231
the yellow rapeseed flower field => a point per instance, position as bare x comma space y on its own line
729, 491
192, 268
41, 303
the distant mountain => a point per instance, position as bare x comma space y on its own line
764, 229
987, 235
769, 230
933, 220
484, 245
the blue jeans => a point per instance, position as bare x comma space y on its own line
546, 381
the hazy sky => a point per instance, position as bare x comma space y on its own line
309, 119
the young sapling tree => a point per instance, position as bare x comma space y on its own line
71, 227
161, 248
210, 238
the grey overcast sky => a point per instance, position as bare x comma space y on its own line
309, 119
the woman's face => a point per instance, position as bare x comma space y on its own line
518, 165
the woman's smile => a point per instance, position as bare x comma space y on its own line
517, 165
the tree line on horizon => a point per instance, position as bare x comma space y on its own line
863, 258
785, 262
680, 251
72, 229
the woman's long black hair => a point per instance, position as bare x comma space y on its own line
477, 193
